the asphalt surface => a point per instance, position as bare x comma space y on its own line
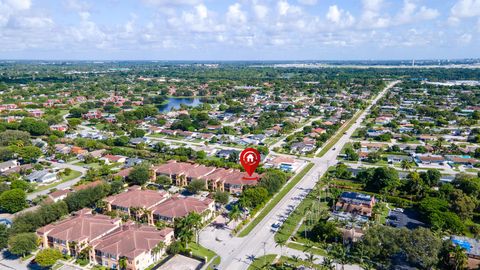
235, 251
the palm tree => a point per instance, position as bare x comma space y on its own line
195, 222
281, 243
310, 258
458, 257
295, 258
235, 213
439, 144
328, 264
122, 263
158, 248
406, 165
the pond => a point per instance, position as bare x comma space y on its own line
174, 103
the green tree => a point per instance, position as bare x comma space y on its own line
252, 197
74, 122
122, 263
235, 213
221, 197
342, 171
406, 165
20, 184
22, 244
34, 127
273, 181
351, 154
137, 133
195, 186
325, 231
3, 236
14, 200
139, 175
10, 137
48, 257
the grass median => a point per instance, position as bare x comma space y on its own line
262, 262
274, 201
339, 134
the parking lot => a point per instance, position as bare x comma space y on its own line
180, 262
407, 219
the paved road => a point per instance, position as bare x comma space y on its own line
282, 140
235, 251
63, 185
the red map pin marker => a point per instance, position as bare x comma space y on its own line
250, 158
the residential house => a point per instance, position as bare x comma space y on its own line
430, 159
471, 247
183, 173
135, 199
43, 176
398, 158
8, 165
62, 128
76, 232
355, 203
113, 159
58, 195
179, 206
136, 243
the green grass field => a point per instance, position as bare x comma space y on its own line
261, 262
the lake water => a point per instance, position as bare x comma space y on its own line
174, 103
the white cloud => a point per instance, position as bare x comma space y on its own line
170, 2
260, 11
371, 16
465, 9
308, 2
339, 16
465, 38
284, 8
19, 4
235, 15
410, 13
76, 5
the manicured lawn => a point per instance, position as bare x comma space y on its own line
313, 250
214, 263
260, 262
275, 200
200, 251
339, 134
73, 174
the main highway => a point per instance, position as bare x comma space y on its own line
236, 252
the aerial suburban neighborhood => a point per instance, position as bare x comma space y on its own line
239, 135
146, 173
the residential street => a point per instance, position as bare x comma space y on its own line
235, 251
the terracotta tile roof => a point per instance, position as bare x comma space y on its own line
83, 225
181, 206
124, 173
88, 185
132, 241
138, 198
59, 193
196, 171
283, 159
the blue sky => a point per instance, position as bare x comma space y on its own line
239, 30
